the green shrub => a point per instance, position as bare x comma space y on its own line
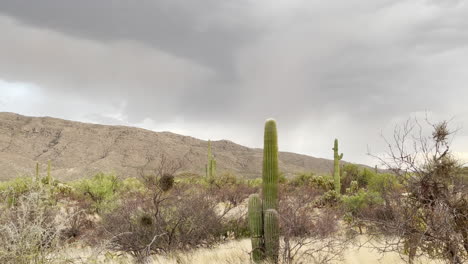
131, 184
383, 183
257, 182
101, 190
361, 200
356, 205
12, 189
302, 179
321, 182
365, 176
352, 172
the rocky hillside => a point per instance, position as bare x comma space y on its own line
79, 150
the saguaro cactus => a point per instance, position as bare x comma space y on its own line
211, 165
263, 215
271, 234
336, 169
49, 177
37, 171
270, 166
256, 227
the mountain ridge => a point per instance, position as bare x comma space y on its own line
78, 149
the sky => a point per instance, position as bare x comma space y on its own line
211, 69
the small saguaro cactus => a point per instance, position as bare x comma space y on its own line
336, 167
263, 215
49, 177
37, 171
211, 165
256, 227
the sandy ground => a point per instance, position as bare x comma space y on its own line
236, 252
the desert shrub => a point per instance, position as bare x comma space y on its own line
101, 190
282, 178
235, 228
429, 213
180, 219
321, 182
231, 191
257, 182
356, 205
365, 176
29, 232
383, 183
11, 190
307, 231
360, 200
301, 179
352, 172
222, 180
132, 184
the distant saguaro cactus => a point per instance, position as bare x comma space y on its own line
336, 167
49, 176
211, 165
263, 215
37, 171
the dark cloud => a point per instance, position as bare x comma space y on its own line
207, 31
213, 68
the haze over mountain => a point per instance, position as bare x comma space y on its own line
79, 149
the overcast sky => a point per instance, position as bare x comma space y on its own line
217, 69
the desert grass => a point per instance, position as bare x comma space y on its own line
232, 252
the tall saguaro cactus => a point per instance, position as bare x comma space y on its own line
270, 166
336, 169
263, 215
211, 165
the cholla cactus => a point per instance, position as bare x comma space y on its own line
263, 215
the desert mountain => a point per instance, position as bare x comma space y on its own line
79, 150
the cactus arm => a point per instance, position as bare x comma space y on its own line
271, 227
255, 215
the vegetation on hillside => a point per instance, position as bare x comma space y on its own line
417, 207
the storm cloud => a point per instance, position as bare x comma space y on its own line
217, 69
